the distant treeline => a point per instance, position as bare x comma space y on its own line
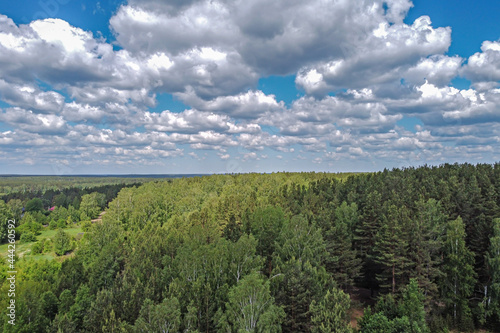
67, 196
40, 184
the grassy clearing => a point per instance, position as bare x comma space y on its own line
48, 233
23, 249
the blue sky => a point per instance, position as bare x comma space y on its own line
198, 86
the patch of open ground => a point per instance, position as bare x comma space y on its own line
23, 249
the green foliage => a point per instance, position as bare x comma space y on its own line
425, 242
342, 261
189, 249
61, 224
40, 270
391, 248
460, 276
492, 294
48, 245
163, 317
49, 304
60, 200
300, 240
5, 216
16, 208
300, 275
251, 308
29, 224
242, 258
71, 276
62, 243
296, 285
412, 307
438, 324
265, 224
405, 316
66, 300
387, 305
330, 314
38, 247
86, 225
34, 205
375, 323
53, 225
28, 237
92, 204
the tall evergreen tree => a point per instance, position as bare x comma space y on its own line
426, 235
391, 249
299, 277
265, 225
330, 313
342, 261
412, 306
365, 236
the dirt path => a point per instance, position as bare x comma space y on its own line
99, 218
355, 313
361, 298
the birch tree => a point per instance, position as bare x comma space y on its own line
251, 308
459, 273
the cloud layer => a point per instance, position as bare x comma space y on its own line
376, 90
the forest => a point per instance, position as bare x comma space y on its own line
402, 250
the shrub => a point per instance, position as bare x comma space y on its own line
53, 225
48, 245
61, 224
86, 226
32, 227
37, 248
28, 237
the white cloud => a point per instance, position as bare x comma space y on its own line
484, 67
362, 68
34, 123
31, 97
248, 105
381, 56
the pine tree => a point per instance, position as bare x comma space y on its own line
330, 313
427, 230
265, 225
299, 277
365, 236
412, 307
342, 261
391, 249
295, 285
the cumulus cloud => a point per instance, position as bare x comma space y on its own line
248, 105
483, 68
189, 121
34, 123
363, 70
385, 53
31, 97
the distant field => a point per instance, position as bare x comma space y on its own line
22, 249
